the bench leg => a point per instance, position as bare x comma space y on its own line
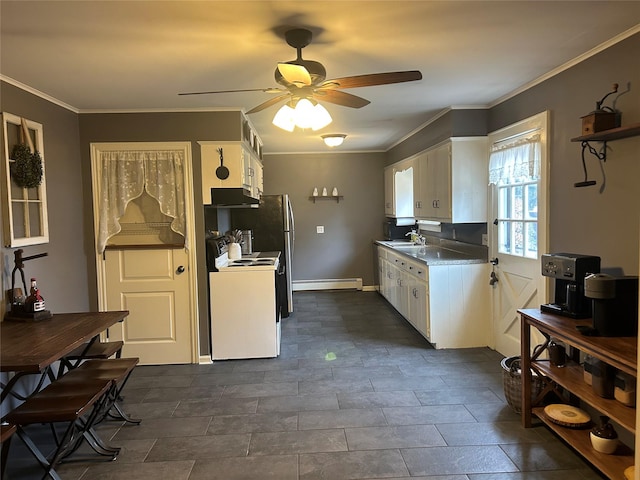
89, 434
112, 404
5, 455
48, 466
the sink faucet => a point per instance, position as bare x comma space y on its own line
416, 238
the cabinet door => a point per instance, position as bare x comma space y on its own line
257, 179
403, 190
419, 306
404, 283
393, 274
382, 277
389, 201
421, 194
210, 160
247, 166
440, 181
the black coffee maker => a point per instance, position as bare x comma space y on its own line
569, 271
615, 304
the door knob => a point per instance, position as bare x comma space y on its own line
494, 279
494, 261
180, 270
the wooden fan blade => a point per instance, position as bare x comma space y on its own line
295, 74
268, 103
341, 98
265, 90
372, 79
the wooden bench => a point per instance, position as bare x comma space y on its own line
63, 401
82, 397
90, 351
116, 369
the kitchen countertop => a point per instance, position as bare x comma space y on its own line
448, 252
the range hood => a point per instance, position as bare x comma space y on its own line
233, 198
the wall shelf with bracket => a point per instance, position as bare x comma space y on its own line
337, 198
612, 134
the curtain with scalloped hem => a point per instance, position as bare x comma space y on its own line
125, 175
515, 161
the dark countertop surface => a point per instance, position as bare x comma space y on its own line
447, 253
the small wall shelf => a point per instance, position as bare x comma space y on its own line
337, 198
612, 134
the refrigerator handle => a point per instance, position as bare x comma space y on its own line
292, 227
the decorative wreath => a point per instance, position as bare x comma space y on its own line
26, 169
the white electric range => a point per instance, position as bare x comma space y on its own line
243, 304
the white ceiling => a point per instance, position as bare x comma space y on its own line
137, 55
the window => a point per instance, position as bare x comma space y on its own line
24, 206
514, 169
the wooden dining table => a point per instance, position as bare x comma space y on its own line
32, 347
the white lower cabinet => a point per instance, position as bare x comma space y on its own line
448, 304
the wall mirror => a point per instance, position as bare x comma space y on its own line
24, 202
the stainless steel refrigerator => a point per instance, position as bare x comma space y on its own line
272, 225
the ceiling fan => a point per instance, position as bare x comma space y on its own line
305, 79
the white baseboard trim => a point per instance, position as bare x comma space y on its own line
328, 284
370, 288
204, 360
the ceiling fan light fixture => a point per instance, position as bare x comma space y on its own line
304, 113
285, 118
321, 117
334, 139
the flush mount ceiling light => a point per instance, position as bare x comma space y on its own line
305, 114
334, 139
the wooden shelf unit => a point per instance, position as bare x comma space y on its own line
612, 134
619, 352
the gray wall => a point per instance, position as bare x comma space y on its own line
583, 220
453, 123
63, 277
345, 249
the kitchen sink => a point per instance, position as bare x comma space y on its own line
399, 243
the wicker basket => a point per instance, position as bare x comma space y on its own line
512, 382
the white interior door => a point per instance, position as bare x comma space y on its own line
151, 274
517, 230
153, 284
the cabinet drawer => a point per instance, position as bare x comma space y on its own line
418, 270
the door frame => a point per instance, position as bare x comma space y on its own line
96, 149
542, 122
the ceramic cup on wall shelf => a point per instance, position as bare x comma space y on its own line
335, 192
324, 192
315, 191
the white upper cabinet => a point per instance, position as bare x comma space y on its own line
398, 190
403, 189
451, 181
232, 164
389, 201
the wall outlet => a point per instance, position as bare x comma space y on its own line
320, 229
485, 239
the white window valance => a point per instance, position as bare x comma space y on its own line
127, 174
515, 161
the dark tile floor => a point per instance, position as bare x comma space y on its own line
356, 394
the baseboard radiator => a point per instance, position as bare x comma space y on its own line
328, 284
